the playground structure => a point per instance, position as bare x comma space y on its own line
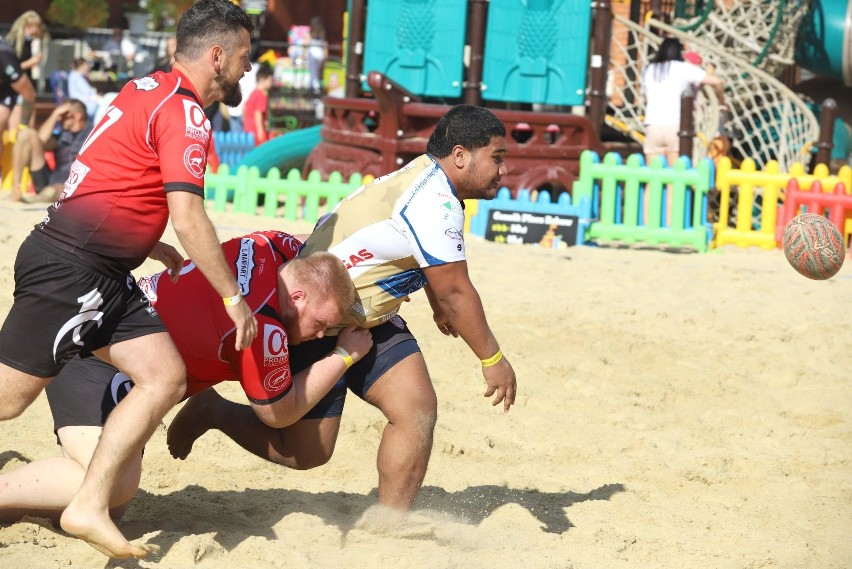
555, 73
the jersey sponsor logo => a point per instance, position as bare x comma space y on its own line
119, 387
148, 286
397, 321
197, 123
195, 159
288, 244
403, 284
453, 206
454, 234
359, 257
245, 265
277, 379
275, 349
359, 309
146, 84
90, 302
75, 178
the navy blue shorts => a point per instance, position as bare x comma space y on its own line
392, 343
63, 307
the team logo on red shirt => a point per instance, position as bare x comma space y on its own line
197, 123
195, 160
275, 346
146, 84
277, 380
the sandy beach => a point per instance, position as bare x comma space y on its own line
675, 410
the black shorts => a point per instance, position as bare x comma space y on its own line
63, 307
8, 97
85, 392
41, 178
392, 343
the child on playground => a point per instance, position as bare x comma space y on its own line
255, 110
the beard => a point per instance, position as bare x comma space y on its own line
232, 95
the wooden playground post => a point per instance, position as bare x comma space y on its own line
826, 132
602, 31
476, 36
355, 54
686, 134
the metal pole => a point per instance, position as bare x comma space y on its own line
826, 132
476, 36
602, 22
355, 55
686, 133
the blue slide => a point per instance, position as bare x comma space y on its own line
284, 152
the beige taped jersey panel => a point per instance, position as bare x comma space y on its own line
387, 231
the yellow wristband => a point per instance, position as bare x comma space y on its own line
492, 360
232, 300
347, 359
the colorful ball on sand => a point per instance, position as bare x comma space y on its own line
813, 246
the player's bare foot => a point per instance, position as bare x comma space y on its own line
190, 423
98, 530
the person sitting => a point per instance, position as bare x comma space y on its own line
64, 133
79, 87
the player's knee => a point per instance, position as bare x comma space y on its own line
307, 454
174, 384
311, 460
11, 410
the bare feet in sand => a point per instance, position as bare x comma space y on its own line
96, 528
190, 423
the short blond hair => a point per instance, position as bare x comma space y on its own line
323, 275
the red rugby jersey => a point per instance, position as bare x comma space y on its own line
196, 318
153, 139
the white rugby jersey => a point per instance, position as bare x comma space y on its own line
387, 231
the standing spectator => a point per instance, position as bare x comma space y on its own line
62, 133
317, 53
79, 87
110, 51
25, 38
165, 63
255, 110
142, 167
14, 84
247, 84
663, 82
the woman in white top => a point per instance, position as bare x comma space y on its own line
664, 80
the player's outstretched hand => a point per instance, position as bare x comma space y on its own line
170, 257
246, 324
356, 341
502, 383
